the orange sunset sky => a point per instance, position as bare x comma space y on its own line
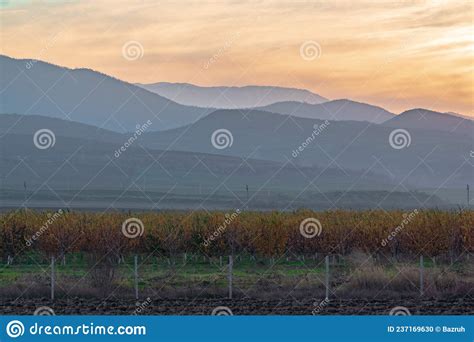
395, 54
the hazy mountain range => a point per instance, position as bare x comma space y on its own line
86, 96
332, 110
420, 118
291, 151
348, 145
84, 157
230, 97
83, 170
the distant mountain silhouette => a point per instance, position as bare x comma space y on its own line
337, 146
82, 169
350, 145
425, 119
29, 124
230, 97
332, 110
460, 115
86, 96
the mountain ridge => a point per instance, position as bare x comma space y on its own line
425, 119
339, 109
230, 97
87, 96
353, 145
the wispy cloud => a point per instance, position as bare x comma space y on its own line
396, 54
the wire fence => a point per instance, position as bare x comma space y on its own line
323, 277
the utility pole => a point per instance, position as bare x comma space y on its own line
53, 276
467, 190
230, 275
326, 259
247, 189
24, 186
135, 275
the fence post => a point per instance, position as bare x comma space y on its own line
52, 278
422, 265
231, 266
136, 276
327, 277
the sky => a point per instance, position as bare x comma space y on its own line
394, 54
